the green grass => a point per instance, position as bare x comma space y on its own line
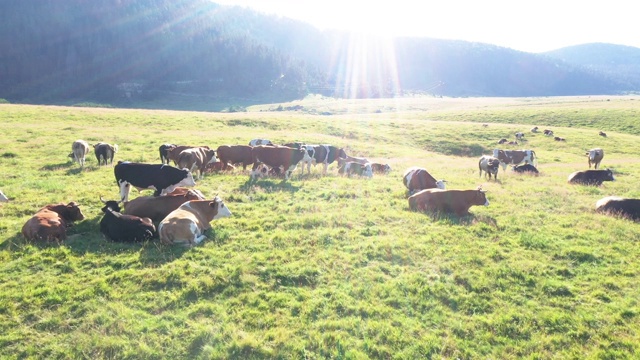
331, 267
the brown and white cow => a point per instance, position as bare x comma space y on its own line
105, 152
51, 222
174, 153
218, 166
186, 225
158, 207
164, 151
416, 178
196, 159
548, 132
455, 202
519, 135
379, 168
515, 157
235, 154
594, 157
618, 206
558, 138
353, 168
534, 129
79, 151
489, 165
282, 157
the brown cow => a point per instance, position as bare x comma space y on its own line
196, 159
618, 206
416, 178
218, 166
235, 154
174, 153
378, 168
186, 224
447, 201
275, 157
164, 150
50, 222
595, 156
158, 207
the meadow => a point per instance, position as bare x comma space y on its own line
327, 266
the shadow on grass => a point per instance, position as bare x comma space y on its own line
52, 167
78, 170
452, 219
269, 186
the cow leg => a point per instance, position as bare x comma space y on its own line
324, 170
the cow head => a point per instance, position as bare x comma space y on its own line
608, 175
211, 155
441, 184
481, 197
110, 204
70, 212
221, 208
187, 180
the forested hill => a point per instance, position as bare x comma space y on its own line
123, 52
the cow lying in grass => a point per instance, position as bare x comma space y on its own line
186, 225
455, 202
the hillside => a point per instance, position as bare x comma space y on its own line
328, 266
195, 54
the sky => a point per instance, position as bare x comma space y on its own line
525, 25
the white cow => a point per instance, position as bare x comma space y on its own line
186, 225
79, 151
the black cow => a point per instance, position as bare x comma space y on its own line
124, 228
161, 178
591, 177
526, 168
164, 150
628, 208
105, 152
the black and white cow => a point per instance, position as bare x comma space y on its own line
161, 178
327, 154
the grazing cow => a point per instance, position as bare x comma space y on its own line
186, 225
157, 208
602, 133
174, 153
378, 168
105, 152
548, 132
50, 222
591, 177
218, 166
558, 138
594, 157
196, 159
515, 157
519, 135
354, 168
455, 202
534, 129
3, 197
526, 168
502, 141
275, 157
416, 179
124, 228
79, 151
489, 165
164, 152
624, 207
327, 154
309, 157
258, 142
161, 178
235, 154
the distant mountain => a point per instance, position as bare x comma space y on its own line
615, 61
131, 52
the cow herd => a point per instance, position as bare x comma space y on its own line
177, 215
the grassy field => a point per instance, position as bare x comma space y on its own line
331, 267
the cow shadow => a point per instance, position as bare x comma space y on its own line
60, 166
466, 220
78, 170
269, 186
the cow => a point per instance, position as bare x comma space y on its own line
258, 142
327, 154
235, 154
164, 152
174, 153
275, 157
378, 168
558, 138
51, 222
157, 208
218, 166
105, 152
602, 133
594, 157
3, 197
309, 156
548, 132
502, 141
519, 135
512, 143
186, 225
534, 129
591, 177
526, 168
196, 159
624, 207
161, 178
355, 168
124, 228
347, 158
455, 202
416, 179
489, 165
515, 157
79, 151
485, 125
